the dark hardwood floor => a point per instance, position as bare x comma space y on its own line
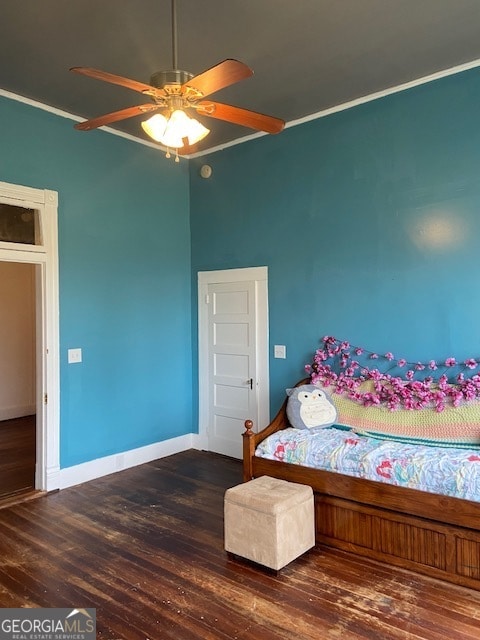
145, 548
17, 456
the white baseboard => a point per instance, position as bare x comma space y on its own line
7, 413
70, 476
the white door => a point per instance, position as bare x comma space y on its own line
235, 348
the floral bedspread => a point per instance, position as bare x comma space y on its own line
447, 471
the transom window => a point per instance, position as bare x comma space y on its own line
20, 225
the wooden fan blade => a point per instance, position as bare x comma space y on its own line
218, 77
123, 114
187, 149
237, 115
120, 80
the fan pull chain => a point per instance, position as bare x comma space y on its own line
169, 155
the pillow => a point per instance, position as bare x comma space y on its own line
309, 407
454, 427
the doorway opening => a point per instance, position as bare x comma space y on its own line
18, 328
29, 364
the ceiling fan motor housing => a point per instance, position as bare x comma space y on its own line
174, 76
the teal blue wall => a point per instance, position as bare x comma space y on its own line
125, 292
368, 221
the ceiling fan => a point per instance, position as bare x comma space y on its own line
174, 93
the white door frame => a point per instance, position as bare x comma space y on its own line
205, 278
47, 311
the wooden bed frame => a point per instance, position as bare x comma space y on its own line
435, 535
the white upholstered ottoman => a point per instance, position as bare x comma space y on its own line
269, 521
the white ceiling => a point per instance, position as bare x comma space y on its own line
307, 55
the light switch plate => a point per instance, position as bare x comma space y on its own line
279, 351
74, 355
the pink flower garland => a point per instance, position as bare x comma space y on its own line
393, 392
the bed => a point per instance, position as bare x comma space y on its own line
432, 533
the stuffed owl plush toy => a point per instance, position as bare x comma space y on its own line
309, 406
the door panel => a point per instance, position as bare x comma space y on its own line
225, 431
230, 365
229, 398
230, 302
230, 334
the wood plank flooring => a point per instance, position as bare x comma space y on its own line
17, 455
145, 548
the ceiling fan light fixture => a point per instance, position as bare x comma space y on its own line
155, 126
196, 131
173, 131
